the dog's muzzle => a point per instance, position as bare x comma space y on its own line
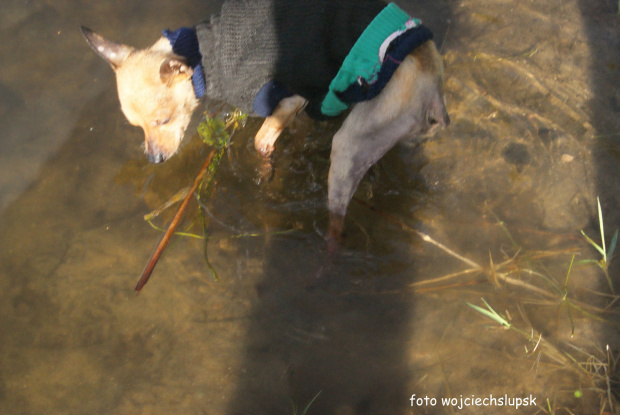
155, 158
154, 153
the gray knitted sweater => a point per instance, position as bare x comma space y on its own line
299, 43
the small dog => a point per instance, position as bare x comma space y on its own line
276, 58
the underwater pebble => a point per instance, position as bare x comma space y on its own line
567, 158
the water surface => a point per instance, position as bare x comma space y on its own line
533, 97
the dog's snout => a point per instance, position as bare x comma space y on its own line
155, 153
155, 158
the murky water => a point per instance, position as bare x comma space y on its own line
535, 136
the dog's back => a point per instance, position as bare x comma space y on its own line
301, 44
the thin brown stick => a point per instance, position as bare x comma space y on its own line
425, 237
146, 274
474, 266
445, 277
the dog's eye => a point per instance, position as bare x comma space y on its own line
162, 121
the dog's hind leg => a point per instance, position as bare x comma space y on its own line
272, 127
361, 141
410, 104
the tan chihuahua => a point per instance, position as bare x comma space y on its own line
157, 89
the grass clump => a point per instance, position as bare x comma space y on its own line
595, 366
606, 254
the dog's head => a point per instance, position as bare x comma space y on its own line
154, 89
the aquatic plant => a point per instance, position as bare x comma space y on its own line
597, 368
214, 132
606, 254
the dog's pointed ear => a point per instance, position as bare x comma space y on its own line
174, 69
112, 52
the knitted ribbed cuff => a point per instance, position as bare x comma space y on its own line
364, 58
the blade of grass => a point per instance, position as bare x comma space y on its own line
600, 222
180, 195
310, 403
186, 234
490, 313
594, 244
570, 267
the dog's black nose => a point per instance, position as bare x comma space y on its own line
155, 158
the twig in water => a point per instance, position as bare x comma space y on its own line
475, 267
146, 274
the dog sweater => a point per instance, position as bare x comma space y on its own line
331, 52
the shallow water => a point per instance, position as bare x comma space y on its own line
533, 95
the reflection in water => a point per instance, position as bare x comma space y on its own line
508, 187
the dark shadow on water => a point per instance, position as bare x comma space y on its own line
344, 340
601, 21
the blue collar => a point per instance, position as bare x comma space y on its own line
185, 44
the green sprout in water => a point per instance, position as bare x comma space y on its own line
606, 254
490, 313
305, 410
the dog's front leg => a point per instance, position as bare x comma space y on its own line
272, 127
